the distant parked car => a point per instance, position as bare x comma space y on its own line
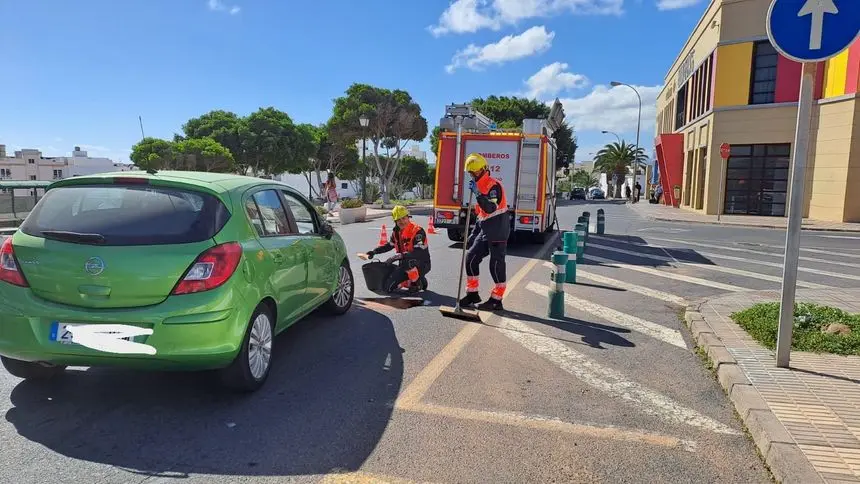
578, 193
596, 194
169, 270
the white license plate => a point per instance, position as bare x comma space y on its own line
61, 334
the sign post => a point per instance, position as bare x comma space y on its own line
725, 152
807, 31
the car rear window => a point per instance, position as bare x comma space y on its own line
126, 215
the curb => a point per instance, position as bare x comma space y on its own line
780, 452
758, 226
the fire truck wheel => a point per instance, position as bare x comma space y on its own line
455, 235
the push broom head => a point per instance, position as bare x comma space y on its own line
460, 313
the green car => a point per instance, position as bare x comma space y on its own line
165, 271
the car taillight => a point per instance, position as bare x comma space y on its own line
211, 269
9, 270
525, 219
445, 215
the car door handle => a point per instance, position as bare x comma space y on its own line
278, 258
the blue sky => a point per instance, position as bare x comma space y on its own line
80, 73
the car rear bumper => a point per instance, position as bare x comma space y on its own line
195, 331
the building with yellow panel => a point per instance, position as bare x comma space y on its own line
729, 85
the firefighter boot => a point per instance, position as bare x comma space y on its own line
471, 299
491, 304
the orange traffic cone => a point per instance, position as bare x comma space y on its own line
383, 236
431, 228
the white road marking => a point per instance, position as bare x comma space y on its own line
668, 275
711, 267
778, 265
816, 251
654, 330
607, 379
645, 291
772, 254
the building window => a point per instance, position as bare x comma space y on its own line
5, 173
58, 174
681, 108
32, 177
31, 161
763, 78
344, 186
757, 179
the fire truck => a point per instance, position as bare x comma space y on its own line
523, 160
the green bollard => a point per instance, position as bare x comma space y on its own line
584, 221
587, 216
601, 222
570, 241
556, 292
580, 242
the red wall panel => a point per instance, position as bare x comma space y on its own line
787, 80
670, 160
852, 80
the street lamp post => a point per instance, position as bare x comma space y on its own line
364, 121
614, 134
638, 124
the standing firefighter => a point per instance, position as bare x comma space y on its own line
490, 236
409, 240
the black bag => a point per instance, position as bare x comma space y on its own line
375, 275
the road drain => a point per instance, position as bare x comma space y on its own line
396, 302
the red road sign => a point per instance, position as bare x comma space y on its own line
725, 150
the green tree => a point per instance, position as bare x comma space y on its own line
224, 127
395, 119
615, 159
584, 179
271, 143
153, 154
413, 173
203, 154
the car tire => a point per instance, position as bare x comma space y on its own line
245, 374
31, 370
344, 292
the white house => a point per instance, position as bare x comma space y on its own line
30, 165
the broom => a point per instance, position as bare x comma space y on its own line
457, 312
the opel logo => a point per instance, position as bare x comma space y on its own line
94, 266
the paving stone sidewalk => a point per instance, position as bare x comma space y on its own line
665, 213
804, 420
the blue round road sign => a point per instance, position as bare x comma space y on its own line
813, 30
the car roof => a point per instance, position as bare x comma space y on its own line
218, 182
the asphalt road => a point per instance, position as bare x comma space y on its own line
611, 393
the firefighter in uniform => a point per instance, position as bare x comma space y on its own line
489, 237
409, 240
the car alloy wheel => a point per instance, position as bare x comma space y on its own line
260, 346
343, 292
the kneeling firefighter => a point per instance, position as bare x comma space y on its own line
409, 240
490, 235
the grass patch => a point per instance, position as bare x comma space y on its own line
817, 329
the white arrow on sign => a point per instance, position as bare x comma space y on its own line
817, 8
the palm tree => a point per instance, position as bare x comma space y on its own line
615, 159
584, 179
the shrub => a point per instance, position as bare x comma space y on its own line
351, 203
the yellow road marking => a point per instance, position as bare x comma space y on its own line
412, 395
555, 425
362, 478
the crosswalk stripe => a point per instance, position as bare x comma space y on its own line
645, 291
667, 275
778, 265
816, 251
654, 330
727, 270
751, 251
607, 379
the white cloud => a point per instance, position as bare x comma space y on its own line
675, 4
469, 16
553, 79
613, 109
512, 47
218, 6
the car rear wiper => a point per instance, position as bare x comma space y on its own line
74, 236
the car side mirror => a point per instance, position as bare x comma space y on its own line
327, 230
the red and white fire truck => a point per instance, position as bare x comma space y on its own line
523, 160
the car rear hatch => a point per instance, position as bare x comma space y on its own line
115, 245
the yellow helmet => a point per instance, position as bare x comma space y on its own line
475, 162
398, 212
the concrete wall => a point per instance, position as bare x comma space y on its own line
832, 189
